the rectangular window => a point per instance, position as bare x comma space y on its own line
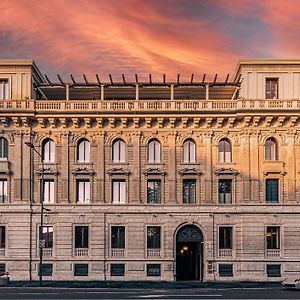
81, 236
48, 236
118, 237
274, 270
189, 191
153, 191
48, 191
2, 237
272, 190
117, 269
118, 191
226, 270
272, 88
273, 237
153, 237
47, 269
81, 269
4, 89
83, 192
225, 191
2, 268
153, 269
225, 237
3, 191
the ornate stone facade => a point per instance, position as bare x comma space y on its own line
243, 117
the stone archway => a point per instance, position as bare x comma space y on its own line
189, 253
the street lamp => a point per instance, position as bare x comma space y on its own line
41, 232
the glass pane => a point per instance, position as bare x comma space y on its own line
157, 151
151, 152
122, 192
116, 192
122, 151
116, 151
186, 152
87, 191
192, 152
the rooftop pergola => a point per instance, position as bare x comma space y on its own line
124, 90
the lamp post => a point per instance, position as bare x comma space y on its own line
41, 231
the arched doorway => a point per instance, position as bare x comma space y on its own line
189, 253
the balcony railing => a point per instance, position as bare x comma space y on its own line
2, 251
225, 252
273, 252
112, 106
47, 252
117, 252
153, 252
81, 252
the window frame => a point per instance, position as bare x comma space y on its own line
123, 269
121, 151
149, 265
231, 191
157, 188
4, 89
76, 265
51, 151
157, 152
223, 145
277, 236
269, 88
188, 152
222, 247
86, 151
119, 244
4, 190
85, 189
51, 184
82, 246
271, 149
39, 230
121, 191
147, 236
229, 274
4, 148
184, 181
269, 274
3, 241
269, 196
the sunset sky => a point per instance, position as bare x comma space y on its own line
139, 36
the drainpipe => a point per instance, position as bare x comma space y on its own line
104, 241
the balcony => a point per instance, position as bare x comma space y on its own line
144, 106
153, 252
273, 252
81, 252
225, 252
117, 252
47, 252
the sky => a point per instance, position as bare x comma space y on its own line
138, 36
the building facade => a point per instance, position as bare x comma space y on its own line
151, 180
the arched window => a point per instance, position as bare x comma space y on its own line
3, 148
118, 153
83, 151
224, 151
154, 152
189, 152
271, 149
48, 151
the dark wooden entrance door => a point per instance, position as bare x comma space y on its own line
189, 253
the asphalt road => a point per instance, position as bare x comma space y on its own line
144, 294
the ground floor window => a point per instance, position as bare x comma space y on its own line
273, 270
225, 270
2, 268
81, 269
117, 269
153, 269
47, 269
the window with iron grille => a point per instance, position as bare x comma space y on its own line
273, 237
226, 270
47, 269
3, 191
274, 270
153, 269
81, 236
81, 269
189, 191
2, 268
225, 191
225, 237
153, 237
3, 148
272, 191
118, 237
2, 237
271, 88
117, 269
153, 191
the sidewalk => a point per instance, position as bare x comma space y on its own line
146, 284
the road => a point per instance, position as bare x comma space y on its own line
143, 294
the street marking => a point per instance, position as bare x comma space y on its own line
181, 296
